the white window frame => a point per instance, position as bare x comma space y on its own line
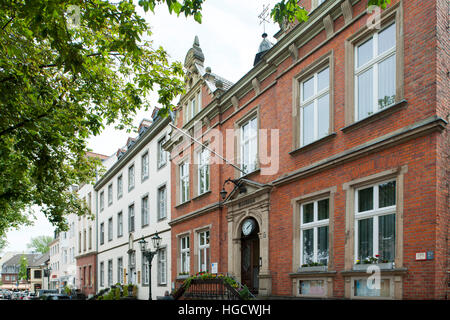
203, 167
131, 206
110, 229
162, 202
315, 100
144, 166
245, 145
102, 201
145, 218
184, 181
110, 194
162, 154
185, 254
110, 273
145, 273
315, 224
102, 233
375, 213
119, 186
131, 177
120, 270
120, 224
203, 251
102, 274
373, 63
162, 266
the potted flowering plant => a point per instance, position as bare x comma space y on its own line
376, 260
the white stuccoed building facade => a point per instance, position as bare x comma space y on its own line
133, 203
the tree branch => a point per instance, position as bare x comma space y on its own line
9, 21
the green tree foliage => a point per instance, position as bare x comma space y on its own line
40, 244
23, 268
62, 82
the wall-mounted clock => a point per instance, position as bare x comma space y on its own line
248, 226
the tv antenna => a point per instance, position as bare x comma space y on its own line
263, 16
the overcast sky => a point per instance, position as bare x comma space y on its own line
229, 36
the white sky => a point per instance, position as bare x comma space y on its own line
229, 36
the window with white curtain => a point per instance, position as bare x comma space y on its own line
314, 232
144, 166
203, 171
375, 208
185, 255
203, 251
375, 73
315, 107
184, 182
162, 266
249, 145
162, 202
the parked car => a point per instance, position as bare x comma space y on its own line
43, 292
30, 296
56, 296
5, 294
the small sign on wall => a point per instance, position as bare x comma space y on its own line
421, 256
214, 267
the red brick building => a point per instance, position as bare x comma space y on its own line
341, 128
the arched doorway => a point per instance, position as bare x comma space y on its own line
250, 254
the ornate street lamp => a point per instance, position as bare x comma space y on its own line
47, 272
148, 254
237, 184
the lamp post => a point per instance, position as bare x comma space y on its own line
148, 254
48, 271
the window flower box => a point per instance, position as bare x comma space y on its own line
382, 266
312, 269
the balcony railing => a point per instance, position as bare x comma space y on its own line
211, 287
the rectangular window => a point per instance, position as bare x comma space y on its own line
249, 145
203, 251
120, 270
84, 240
102, 233
144, 211
130, 177
110, 229
314, 233
312, 288
162, 267
144, 164
375, 223
369, 288
90, 238
131, 218
162, 154
315, 107
145, 270
102, 201
184, 182
110, 273
162, 202
375, 72
110, 194
102, 274
119, 187
203, 171
184, 255
192, 108
119, 224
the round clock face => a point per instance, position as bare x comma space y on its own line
248, 226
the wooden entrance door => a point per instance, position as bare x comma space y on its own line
250, 263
